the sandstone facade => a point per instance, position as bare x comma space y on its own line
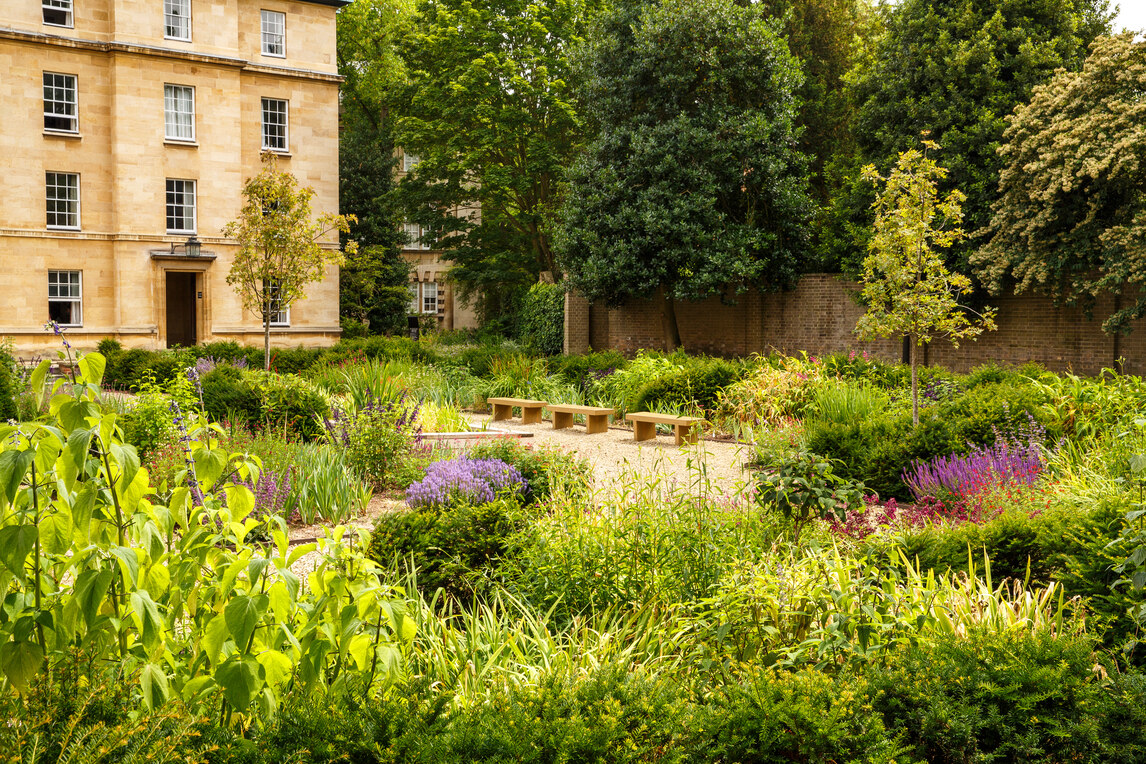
122, 61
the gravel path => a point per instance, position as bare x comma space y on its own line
616, 459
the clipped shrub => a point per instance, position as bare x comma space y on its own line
125, 370
229, 396
697, 386
291, 405
457, 548
109, 346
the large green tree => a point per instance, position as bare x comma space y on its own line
1071, 216
692, 184
957, 68
489, 112
373, 287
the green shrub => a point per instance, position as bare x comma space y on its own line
291, 405
457, 549
697, 385
293, 360
1009, 697
8, 408
543, 468
806, 716
229, 396
125, 370
108, 347
376, 440
541, 319
580, 370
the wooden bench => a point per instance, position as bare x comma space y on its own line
645, 426
596, 418
530, 410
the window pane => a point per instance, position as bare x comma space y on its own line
274, 33
179, 112
64, 298
60, 102
180, 206
274, 124
177, 19
63, 199
409, 161
430, 297
57, 12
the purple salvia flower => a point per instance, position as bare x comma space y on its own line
185, 439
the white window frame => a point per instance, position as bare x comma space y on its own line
279, 316
53, 6
68, 85
409, 161
285, 123
52, 182
177, 16
171, 112
76, 300
172, 188
430, 300
415, 233
415, 298
272, 28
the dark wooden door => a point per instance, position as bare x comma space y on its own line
180, 309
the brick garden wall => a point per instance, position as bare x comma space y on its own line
819, 316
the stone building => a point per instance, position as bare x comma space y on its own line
129, 129
430, 293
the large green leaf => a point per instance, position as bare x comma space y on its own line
147, 619
153, 682
90, 591
214, 637
56, 530
20, 661
16, 541
243, 614
241, 678
92, 366
13, 467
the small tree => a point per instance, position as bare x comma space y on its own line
279, 245
907, 289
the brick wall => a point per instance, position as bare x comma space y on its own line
820, 314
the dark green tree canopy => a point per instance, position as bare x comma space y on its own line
957, 68
693, 181
1071, 216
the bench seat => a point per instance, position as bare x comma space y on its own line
645, 424
530, 410
596, 417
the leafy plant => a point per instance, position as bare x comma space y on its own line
323, 486
804, 487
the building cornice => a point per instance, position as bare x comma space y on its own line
155, 51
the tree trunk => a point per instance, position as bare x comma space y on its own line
668, 321
267, 336
914, 381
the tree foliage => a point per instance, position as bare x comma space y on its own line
908, 290
280, 244
957, 68
1071, 216
489, 112
692, 184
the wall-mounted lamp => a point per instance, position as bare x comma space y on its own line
191, 248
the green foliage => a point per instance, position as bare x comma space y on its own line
805, 487
231, 396
280, 250
1005, 697
88, 559
7, 384
843, 403
699, 385
620, 389
324, 487
581, 370
957, 69
376, 440
783, 717
1066, 221
906, 288
691, 185
108, 347
458, 549
490, 113
541, 319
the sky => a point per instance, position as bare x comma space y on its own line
1131, 15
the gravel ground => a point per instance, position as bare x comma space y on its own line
616, 459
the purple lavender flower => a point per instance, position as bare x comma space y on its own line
473, 481
964, 474
185, 439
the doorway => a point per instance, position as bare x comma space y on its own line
181, 318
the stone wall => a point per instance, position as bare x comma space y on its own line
820, 314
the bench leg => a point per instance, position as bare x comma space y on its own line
501, 411
685, 433
644, 431
562, 420
596, 423
531, 415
